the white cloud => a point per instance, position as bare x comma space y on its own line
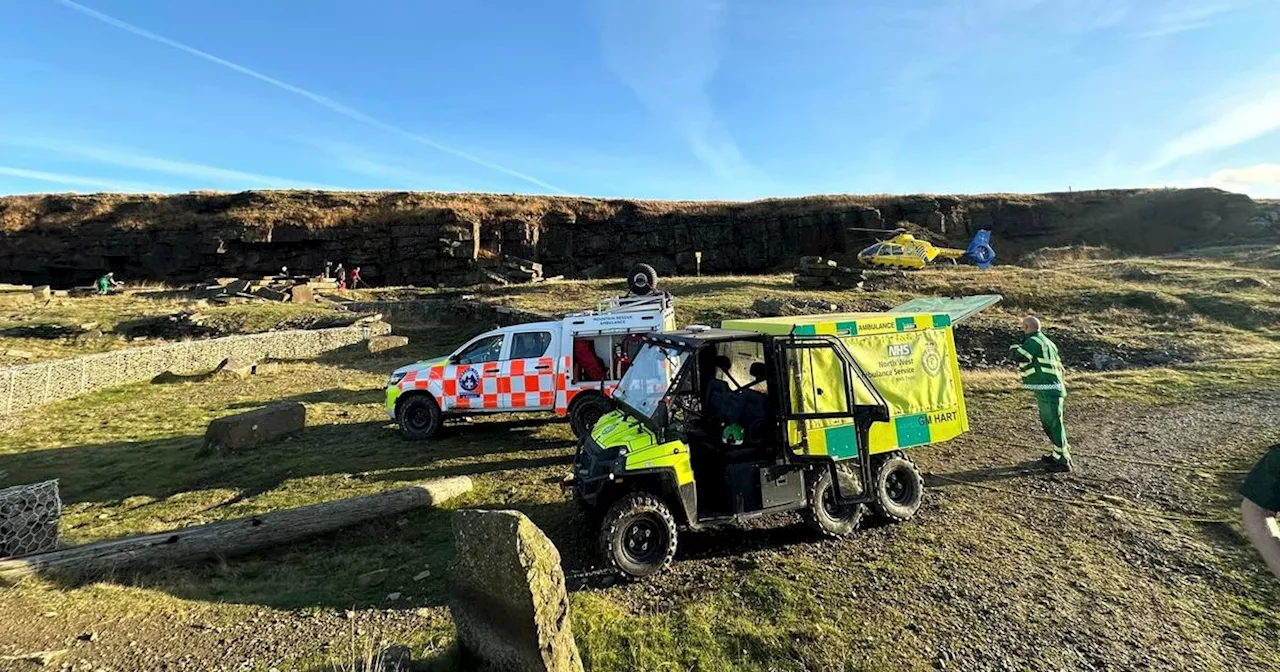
323, 101
391, 172
130, 158
398, 176
1260, 181
667, 52
1184, 18
92, 183
1252, 112
126, 158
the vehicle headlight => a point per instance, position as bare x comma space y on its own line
396, 378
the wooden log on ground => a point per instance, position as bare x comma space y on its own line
230, 537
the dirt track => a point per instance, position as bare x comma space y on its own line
979, 580
989, 580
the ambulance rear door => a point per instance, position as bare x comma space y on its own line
958, 308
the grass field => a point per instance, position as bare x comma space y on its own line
1115, 567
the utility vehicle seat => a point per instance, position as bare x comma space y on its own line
759, 372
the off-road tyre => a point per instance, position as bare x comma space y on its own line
642, 280
419, 417
898, 488
823, 515
638, 536
585, 411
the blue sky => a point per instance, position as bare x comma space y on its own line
685, 99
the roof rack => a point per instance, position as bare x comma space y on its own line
629, 304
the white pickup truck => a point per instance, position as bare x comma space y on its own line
568, 367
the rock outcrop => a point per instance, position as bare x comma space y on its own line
403, 237
509, 604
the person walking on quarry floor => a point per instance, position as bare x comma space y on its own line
1042, 373
107, 283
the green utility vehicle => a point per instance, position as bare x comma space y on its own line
808, 414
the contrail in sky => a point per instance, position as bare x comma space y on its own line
316, 98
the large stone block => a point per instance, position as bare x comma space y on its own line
270, 294
509, 601
302, 294
249, 430
382, 343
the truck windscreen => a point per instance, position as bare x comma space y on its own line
650, 377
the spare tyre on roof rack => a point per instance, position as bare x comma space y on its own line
642, 280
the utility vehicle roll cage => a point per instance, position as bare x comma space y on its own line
776, 351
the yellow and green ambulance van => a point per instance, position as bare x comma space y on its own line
812, 413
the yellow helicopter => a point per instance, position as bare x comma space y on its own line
906, 251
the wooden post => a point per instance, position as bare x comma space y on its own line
230, 537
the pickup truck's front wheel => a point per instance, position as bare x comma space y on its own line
419, 417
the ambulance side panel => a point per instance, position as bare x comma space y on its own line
911, 360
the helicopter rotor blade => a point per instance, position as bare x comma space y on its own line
855, 228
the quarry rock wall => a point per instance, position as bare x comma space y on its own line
428, 238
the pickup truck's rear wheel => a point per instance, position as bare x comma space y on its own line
419, 417
586, 411
898, 488
638, 536
825, 515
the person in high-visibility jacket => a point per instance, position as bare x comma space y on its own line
1042, 373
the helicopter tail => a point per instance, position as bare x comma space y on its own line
980, 251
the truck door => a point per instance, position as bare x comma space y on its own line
527, 381
827, 402
471, 378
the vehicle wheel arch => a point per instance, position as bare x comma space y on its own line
415, 394
659, 483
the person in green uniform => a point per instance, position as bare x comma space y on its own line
1042, 373
105, 283
1261, 493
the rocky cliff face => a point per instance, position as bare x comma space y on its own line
403, 238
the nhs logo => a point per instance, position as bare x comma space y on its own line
900, 350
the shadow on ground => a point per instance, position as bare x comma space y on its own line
987, 475
49, 332
113, 472
141, 484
